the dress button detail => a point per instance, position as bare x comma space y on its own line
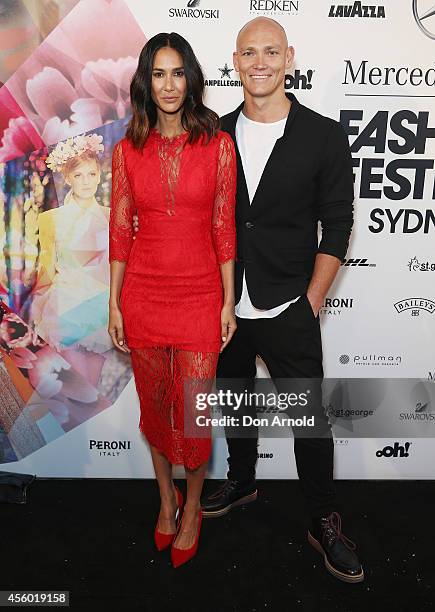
249, 225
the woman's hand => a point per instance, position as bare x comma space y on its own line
228, 325
116, 329
135, 225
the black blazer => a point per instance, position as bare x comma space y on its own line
308, 178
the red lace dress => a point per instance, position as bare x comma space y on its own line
171, 297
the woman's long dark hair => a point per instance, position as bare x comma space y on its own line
196, 118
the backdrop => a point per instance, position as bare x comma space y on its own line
68, 405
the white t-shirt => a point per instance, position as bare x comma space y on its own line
255, 142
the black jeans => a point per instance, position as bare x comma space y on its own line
291, 347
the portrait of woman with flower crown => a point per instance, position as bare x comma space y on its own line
69, 308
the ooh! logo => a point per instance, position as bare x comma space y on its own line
397, 450
299, 80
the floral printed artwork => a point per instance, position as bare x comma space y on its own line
24, 24
68, 100
76, 80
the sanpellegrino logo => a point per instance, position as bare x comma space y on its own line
415, 305
414, 265
109, 448
274, 7
225, 80
398, 450
193, 11
300, 80
357, 9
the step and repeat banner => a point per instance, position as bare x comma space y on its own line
68, 405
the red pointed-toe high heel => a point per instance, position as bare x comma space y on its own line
164, 540
182, 555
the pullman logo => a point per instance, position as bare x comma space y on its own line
397, 450
415, 305
425, 266
357, 9
360, 263
109, 448
372, 359
193, 12
225, 80
299, 80
274, 7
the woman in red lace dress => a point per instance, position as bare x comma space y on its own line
172, 296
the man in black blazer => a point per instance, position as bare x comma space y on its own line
294, 170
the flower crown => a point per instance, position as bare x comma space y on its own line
72, 147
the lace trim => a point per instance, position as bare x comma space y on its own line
121, 210
224, 231
169, 152
167, 382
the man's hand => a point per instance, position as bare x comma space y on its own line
135, 225
316, 304
325, 270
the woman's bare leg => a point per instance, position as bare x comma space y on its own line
168, 498
153, 378
197, 371
189, 524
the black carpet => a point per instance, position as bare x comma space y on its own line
94, 538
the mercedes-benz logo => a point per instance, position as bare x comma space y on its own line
423, 18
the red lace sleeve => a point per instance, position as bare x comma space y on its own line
121, 209
224, 228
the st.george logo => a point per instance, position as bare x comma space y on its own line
424, 15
